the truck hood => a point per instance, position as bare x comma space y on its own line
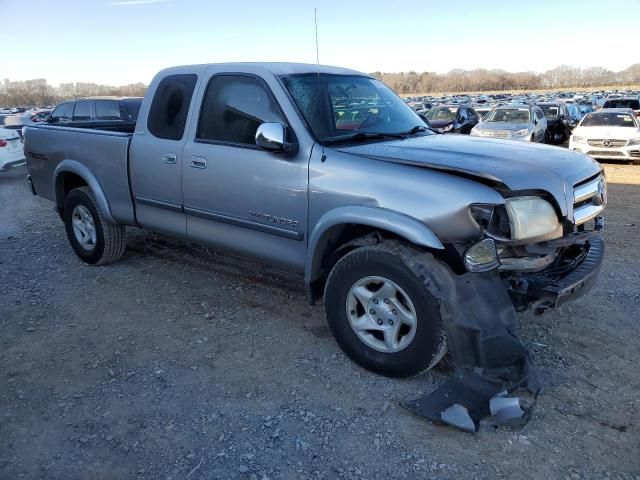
516, 165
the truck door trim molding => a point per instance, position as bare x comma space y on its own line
174, 207
241, 222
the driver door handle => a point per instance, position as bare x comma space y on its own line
169, 157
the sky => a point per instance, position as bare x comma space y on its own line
118, 42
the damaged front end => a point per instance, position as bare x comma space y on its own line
506, 273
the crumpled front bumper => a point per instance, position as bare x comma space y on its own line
553, 287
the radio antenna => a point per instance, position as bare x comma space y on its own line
315, 19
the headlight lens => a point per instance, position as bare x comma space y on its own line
530, 217
521, 133
577, 139
634, 141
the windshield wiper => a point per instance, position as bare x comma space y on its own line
421, 128
365, 136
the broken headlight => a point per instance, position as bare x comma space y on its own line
531, 217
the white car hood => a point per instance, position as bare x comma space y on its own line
623, 133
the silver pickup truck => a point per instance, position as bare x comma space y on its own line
418, 242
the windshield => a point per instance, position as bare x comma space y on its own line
550, 111
509, 115
336, 106
608, 119
622, 103
448, 114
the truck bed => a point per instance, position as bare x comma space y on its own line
102, 155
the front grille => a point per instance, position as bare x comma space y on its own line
495, 133
589, 199
607, 142
606, 153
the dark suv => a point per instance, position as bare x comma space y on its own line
116, 114
627, 102
558, 121
452, 118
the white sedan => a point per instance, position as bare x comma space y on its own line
11, 151
608, 134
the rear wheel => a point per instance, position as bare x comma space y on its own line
382, 314
93, 239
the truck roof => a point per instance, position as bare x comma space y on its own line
276, 68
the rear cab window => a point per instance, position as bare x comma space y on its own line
170, 106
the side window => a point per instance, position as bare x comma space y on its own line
170, 106
82, 111
62, 113
233, 108
107, 110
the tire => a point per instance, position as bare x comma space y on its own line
419, 348
107, 243
547, 137
533, 138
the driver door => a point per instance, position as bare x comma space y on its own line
237, 196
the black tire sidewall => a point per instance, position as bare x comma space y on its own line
418, 356
81, 197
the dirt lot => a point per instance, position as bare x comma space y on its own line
180, 363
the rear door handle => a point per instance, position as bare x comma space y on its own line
169, 158
198, 162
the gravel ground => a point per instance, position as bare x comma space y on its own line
180, 363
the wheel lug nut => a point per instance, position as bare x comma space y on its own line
380, 321
353, 312
394, 311
390, 322
375, 300
372, 311
386, 300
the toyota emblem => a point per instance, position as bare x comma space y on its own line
606, 143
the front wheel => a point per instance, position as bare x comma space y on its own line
93, 239
382, 314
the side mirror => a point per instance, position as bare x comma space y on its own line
271, 136
50, 119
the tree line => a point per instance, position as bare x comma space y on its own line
39, 93
478, 80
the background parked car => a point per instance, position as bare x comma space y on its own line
452, 118
11, 152
558, 128
608, 134
513, 122
574, 114
625, 102
106, 113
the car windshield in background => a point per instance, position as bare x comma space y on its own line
338, 107
509, 115
608, 119
550, 111
622, 103
448, 114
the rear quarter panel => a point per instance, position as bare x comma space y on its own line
51, 150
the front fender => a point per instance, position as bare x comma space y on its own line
77, 168
404, 226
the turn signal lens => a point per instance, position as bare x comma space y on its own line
482, 256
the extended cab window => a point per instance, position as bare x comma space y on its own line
82, 111
62, 113
170, 106
107, 110
233, 108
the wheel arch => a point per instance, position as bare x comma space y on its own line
345, 228
70, 174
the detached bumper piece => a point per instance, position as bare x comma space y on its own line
491, 361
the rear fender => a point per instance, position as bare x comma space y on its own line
77, 168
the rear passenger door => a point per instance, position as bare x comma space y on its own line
155, 155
